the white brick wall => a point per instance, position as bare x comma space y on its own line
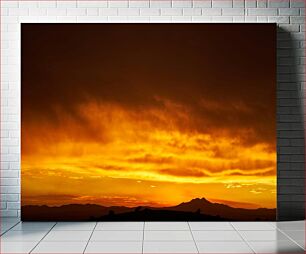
289, 14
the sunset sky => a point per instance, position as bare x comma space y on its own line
148, 114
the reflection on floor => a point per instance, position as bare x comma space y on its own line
152, 237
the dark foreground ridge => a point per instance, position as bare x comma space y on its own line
194, 210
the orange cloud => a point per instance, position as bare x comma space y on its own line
148, 145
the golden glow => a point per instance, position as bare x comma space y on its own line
109, 154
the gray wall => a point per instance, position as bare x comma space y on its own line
289, 15
290, 126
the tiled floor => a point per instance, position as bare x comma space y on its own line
152, 237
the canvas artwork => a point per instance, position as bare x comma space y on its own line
128, 122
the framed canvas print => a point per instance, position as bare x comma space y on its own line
134, 122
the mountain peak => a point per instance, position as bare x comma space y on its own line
199, 200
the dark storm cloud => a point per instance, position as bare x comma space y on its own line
223, 74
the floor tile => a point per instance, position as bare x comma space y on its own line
120, 225
98, 236
17, 247
5, 226
60, 247
33, 226
170, 247
223, 247
114, 247
164, 235
23, 236
276, 247
216, 236
297, 236
291, 225
9, 220
166, 226
69, 236
63, 226
253, 225
199, 225
273, 235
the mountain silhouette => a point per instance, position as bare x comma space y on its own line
198, 209
225, 211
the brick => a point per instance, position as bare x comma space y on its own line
181, 19
92, 11
9, 4
38, 11
2, 205
192, 11
250, 3
291, 173
14, 165
288, 28
291, 150
238, 3
136, 19
76, 12
262, 12
4, 165
291, 182
211, 11
297, 20
13, 205
160, 4
297, 166
128, 11
297, 142
202, 3
18, 12
66, 4
291, 86
139, 4
262, 19
285, 60
201, 19
56, 12
92, 19
289, 11
181, 3
9, 197
47, 4
279, 19
291, 198
9, 173
233, 12
278, 3
160, 19
297, 3
291, 190
222, 3
8, 181
9, 213
172, 11
262, 4
118, 4
117, 19
90, 4
289, 126
293, 94
108, 11
10, 190
297, 158
222, 19
291, 134
150, 12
